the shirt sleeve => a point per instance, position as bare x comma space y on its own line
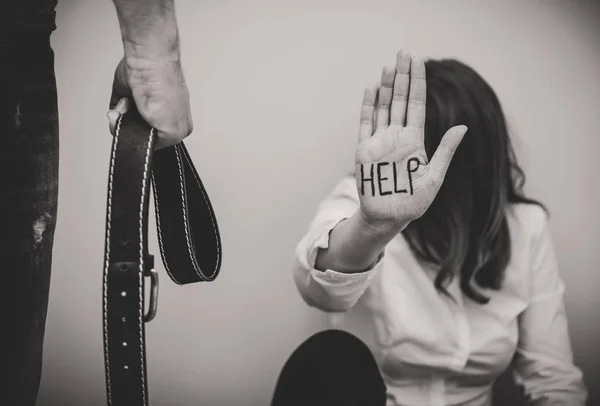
544, 360
329, 290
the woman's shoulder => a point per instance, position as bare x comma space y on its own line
526, 220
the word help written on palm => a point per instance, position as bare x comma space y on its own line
396, 184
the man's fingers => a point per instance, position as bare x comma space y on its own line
385, 96
401, 86
445, 152
122, 106
113, 115
415, 116
366, 113
163, 140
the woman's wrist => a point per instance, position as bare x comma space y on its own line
378, 229
356, 244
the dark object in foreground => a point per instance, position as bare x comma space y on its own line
189, 241
331, 368
335, 368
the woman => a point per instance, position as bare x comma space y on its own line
434, 236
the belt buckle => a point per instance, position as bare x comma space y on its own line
153, 305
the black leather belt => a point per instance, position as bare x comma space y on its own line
189, 240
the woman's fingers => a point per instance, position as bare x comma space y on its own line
400, 92
415, 115
366, 113
400, 99
385, 96
445, 151
113, 115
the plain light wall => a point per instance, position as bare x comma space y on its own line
276, 88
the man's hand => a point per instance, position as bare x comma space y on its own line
160, 94
150, 74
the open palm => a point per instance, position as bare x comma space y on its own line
396, 183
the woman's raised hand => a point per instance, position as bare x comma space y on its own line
396, 183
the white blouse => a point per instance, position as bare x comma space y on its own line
433, 351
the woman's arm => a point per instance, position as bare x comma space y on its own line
344, 246
342, 250
544, 362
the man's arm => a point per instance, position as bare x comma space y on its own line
150, 72
148, 29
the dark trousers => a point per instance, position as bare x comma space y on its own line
28, 191
331, 368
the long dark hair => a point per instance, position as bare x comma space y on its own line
465, 230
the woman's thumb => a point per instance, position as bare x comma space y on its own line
445, 152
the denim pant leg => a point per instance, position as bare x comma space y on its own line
28, 207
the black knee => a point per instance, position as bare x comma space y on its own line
332, 367
332, 347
